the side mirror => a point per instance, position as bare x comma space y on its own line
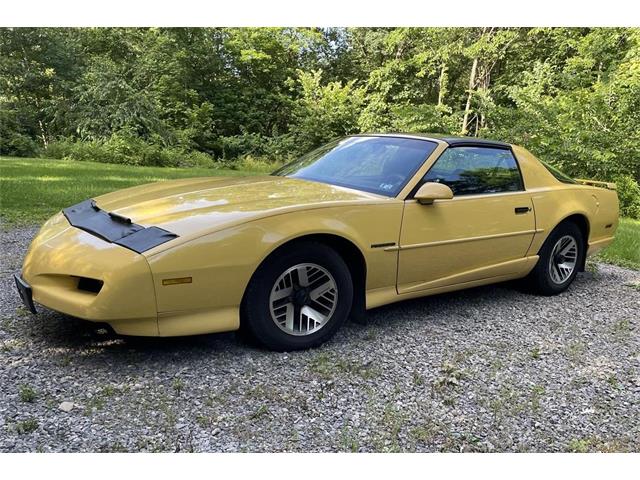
431, 191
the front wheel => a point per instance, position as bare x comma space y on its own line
560, 258
298, 299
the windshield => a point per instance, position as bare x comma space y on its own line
381, 165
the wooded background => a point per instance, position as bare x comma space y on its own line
249, 96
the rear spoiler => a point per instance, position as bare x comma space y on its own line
596, 183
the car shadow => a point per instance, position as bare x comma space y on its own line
63, 335
56, 330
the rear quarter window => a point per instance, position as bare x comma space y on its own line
561, 176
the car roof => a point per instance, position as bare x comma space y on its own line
451, 140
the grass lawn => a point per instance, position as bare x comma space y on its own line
625, 250
33, 189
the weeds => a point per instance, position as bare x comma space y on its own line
27, 426
27, 394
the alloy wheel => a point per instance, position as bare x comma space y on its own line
303, 299
563, 259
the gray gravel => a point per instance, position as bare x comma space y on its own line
489, 369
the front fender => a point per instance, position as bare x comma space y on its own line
221, 264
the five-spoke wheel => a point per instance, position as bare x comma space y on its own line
298, 297
303, 299
560, 258
563, 258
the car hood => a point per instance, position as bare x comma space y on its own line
197, 205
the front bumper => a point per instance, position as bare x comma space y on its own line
25, 292
62, 259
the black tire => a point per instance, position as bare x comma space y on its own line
540, 279
256, 318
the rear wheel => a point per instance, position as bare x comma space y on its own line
298, 299
560, 258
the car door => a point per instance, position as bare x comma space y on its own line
484, 231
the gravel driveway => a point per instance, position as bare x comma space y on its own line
489, 369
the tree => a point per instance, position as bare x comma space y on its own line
324, 112
571, 95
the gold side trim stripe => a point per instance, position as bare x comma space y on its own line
462, 240
176, 281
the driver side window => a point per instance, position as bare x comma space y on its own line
476, 170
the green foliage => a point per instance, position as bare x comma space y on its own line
14, 140
423, 118
27, 393
187, 96
625, 250
579, 445
277, 148
29, 425
324, 112
128, 149
249, 163
628, 195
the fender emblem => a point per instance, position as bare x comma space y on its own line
382, 245
176, 281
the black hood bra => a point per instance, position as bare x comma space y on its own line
115, 228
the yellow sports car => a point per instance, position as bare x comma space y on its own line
360, 222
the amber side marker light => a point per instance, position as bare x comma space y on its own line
176, 281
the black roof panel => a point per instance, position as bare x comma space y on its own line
451, 140
472, 141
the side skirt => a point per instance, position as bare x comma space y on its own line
384, 296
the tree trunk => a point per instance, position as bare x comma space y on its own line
485, 80
442, 84
467, 108
43, 135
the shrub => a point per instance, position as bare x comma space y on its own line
15, 139
256, 164
628, 195
194, 159
277, 149
76, 150
235, 146
18, 144
127, 149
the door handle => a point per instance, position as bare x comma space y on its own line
521, 210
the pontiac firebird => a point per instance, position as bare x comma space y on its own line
361, 222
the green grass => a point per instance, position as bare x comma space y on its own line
33, 189
27, 393
625, 250
27, 426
